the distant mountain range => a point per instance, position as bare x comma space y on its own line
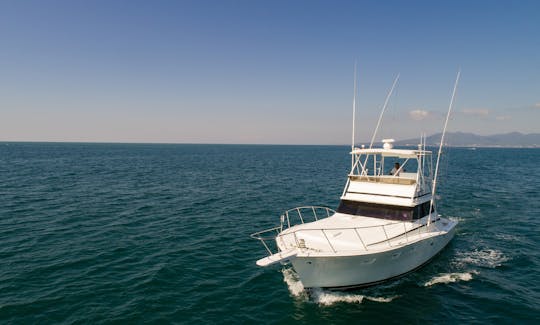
462, 139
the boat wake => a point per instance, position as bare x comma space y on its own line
327, 298
324, 297
488, 258
450, 277
296, 288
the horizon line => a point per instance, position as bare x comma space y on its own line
256, 144
262, 144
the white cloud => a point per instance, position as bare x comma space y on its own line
537, 105
475, 111
418, 114
503, 118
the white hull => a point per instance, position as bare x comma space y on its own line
369, 268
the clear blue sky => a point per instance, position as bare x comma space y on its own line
264, 71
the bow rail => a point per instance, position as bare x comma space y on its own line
331, 240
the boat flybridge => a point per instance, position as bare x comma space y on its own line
385, 226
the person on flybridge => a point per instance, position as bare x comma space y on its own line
395, 170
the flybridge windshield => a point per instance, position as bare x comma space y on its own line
386, 165
383, 165
380, 211
402, 163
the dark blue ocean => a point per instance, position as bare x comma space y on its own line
136, 233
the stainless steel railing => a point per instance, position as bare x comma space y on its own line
276, 233
302, 214
391, 241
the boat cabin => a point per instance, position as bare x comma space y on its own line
389, 183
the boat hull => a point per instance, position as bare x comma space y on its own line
342, 272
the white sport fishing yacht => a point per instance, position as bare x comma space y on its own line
385, 226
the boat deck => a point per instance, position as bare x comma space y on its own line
342, 233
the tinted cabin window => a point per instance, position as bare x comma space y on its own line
422, 210
375, 210
384, 211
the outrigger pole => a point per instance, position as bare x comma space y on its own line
353, 117
440, 147
380, 118
382, 111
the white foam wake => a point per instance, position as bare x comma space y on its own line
324, 297
296, 288
451, 277
327, 298
485, 258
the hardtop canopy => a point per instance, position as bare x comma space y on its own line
400, 153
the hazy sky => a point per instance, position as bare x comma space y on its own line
264, 71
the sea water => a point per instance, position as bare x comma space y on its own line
133, 233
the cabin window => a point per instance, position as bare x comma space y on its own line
422, 210
375, 210
384, 211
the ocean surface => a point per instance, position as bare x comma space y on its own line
136, 233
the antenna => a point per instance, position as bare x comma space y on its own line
382, 111
424, 153
380, 117
441, 145
353, 117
